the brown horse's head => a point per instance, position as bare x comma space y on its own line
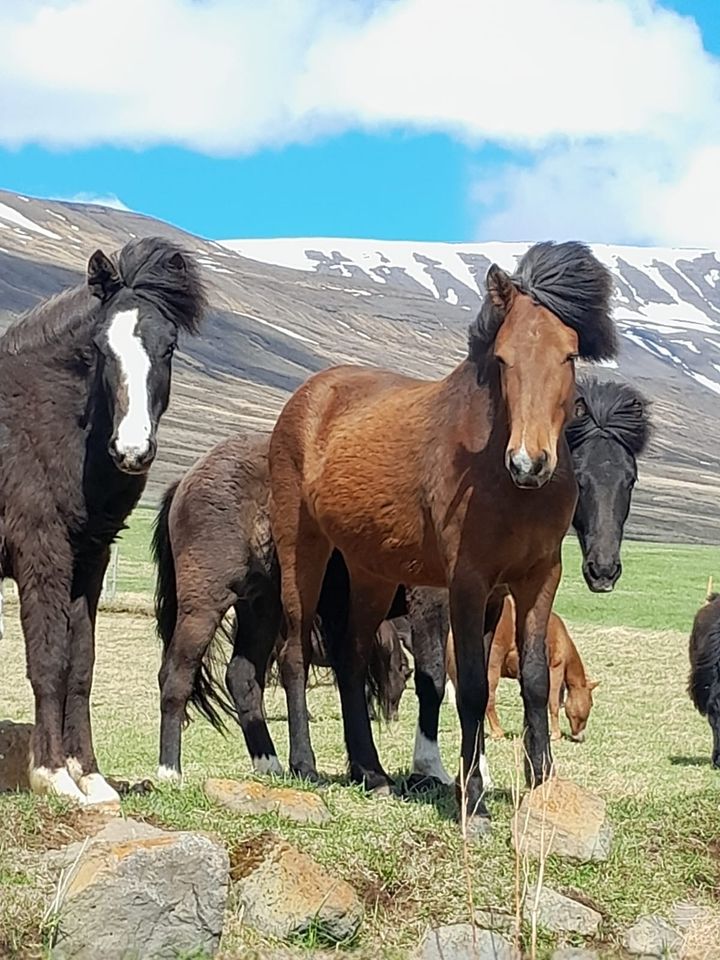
532, 326
536, 353
578, 704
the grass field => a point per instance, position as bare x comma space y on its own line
647, 754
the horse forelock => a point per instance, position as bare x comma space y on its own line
615, 410
569, 281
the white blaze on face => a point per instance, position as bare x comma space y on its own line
135, 428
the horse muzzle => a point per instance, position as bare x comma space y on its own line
133, 460
601, 578
528, 473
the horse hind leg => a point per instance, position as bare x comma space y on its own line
179, 678
256, 631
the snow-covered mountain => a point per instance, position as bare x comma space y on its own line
667, 301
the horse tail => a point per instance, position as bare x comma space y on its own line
166, 605
333, 612
208, 692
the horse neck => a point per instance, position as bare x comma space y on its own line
475, 408
574, 669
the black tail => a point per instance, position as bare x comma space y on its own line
333, 612
208, 694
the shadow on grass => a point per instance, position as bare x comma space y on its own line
682, 761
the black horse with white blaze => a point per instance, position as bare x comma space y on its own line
84, 380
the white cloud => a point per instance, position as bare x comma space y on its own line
550, 77
99, 200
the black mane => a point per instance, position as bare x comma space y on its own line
615, 409
569, 280
153, 268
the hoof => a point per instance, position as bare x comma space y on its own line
556, 735
307, 773
424, 783
478, 827
169, 775
497, 734
374, 781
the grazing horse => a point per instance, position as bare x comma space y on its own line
213, 551
704, 681
464, 483
84, 380
610, 431
567, 674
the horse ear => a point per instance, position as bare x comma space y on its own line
500, 287
102, 276
177, 262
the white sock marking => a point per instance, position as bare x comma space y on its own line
58, 782
135, 428
97, 789
265, 765
74, 768
426, 759
485, 773
168, 774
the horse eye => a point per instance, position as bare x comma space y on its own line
169, 350
500, 360
571, 357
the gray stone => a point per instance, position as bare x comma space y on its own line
284, 893
652, 936
14, 755
462, 941
685, 914
561, 818
251, 797
561, 914
134, 891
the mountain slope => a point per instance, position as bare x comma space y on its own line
284, 309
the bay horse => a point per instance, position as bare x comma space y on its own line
84, 381
568, 679
704, 680
610, 430
213, 552
464, 483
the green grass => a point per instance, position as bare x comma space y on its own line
647, 754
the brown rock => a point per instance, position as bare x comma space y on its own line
564, 819
250, 797
285, 893
14, 755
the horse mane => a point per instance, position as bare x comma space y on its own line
614, 409
569, 280
145, 266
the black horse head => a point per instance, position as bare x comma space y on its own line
147, 294
610, 431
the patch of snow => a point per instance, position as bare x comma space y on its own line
706, 381
712, 277
58, 216
611, 364
275, 326
10, 215
688, 344
451, 297
24, 199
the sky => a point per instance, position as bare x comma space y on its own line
459, 120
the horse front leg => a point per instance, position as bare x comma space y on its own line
77, 730
44, 589
534, 597
468, 600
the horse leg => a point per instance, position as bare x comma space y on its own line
44, 584
497, 655
468, 600
77, 729
303, 556
534, 596
369, 604
556, 681
257, 628
430, 623
181, 661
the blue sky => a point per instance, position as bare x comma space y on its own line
421, 140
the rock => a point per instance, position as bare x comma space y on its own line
14, 755
492, 918
652, 936
254, 798
462, 941
575, 953
135, 890
564, 819
685, 914
561, 914
285, 893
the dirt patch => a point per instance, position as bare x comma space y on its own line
249, 854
